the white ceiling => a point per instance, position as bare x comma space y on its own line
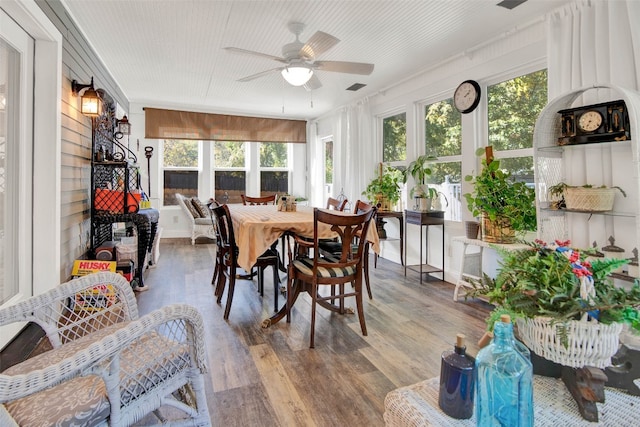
170, 52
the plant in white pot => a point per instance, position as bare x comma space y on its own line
420, 170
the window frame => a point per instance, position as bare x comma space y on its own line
484, 122
287, 168
422, 146
198, 169
380, 124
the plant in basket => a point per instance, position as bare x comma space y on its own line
586, 197
504, 205
567, 308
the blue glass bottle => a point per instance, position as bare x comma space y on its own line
504, 383
457, 381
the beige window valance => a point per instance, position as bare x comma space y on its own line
173, 124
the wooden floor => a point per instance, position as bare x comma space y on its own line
270, 377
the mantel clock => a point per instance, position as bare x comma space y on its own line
608, 121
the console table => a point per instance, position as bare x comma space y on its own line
417, 405
471, 263
424, 219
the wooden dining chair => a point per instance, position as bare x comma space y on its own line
266, 200
334, 248
228, 260
336, 204
310, 273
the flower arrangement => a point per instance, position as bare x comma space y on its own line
561, 283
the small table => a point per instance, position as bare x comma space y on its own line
425, 219
399, 216
417, 405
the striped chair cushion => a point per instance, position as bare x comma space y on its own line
305, 266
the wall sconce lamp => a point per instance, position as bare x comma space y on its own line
90, 104
123, 126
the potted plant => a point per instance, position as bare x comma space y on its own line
586, 197
567, 307
384, 190
505, 207
420, 170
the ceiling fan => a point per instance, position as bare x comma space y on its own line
299, 60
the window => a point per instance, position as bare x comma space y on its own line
230, 175
513, 107
328, 168
394, 138
274, 175
443, 139
181, 160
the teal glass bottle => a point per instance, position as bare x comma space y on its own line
504, 382
457, 381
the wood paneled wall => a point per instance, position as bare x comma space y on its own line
79, 62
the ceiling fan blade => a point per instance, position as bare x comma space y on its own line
319, 43
313, 83
260, 74
344, 67
251, 52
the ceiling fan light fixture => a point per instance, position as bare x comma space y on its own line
297, 75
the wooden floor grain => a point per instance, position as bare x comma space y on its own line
270, 377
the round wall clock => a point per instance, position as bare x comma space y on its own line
467, 96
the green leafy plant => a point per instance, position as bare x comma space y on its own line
420, 170
385, 186
498, 196
545, 280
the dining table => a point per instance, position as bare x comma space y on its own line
257, 228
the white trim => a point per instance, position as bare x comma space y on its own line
46, 272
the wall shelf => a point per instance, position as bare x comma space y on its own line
610, 163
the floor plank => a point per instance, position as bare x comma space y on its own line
261, 377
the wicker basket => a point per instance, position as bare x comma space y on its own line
589, 343
589, 199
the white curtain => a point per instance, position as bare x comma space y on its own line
315, 160
355, 150
594, 41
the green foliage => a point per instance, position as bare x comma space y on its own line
273, 155
180, 153
394, 138
328, 162
513, 107
443, 137
387, 185
544, 281
498, 196
229, 154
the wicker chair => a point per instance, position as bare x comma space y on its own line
106, 366
200, 218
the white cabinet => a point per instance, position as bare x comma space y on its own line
611, 163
